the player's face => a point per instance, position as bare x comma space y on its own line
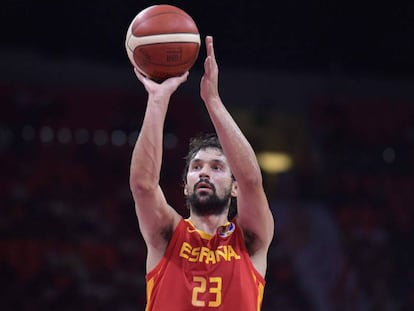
209, 183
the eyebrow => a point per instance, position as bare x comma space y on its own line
216, 161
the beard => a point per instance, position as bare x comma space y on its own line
203, 204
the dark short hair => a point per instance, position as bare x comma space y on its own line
197, 143
201, 142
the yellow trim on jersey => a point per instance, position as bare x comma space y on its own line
150, 286
260, 292
203, 235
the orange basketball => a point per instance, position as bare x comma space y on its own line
162, 41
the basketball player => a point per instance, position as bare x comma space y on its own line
205, 262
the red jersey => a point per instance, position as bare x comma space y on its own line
203, 272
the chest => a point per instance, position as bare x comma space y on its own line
193, 251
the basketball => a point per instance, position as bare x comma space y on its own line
162, 41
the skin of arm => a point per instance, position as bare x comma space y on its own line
254, 215
156, 218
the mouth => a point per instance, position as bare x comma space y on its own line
204, 186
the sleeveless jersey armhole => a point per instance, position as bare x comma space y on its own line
174, 237
256, 274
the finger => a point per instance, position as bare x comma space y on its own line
207, 65
185, 74
139, 75
209, 45
210, 48
181, 78
184, 77
174, 82
208, 40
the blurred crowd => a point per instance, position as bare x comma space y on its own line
69, 238
347, 220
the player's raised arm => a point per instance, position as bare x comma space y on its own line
155, 216
254, 215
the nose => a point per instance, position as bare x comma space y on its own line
204, 172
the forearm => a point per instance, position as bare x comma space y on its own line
147, 154
236, 147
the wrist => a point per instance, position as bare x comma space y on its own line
213, 101
159, 99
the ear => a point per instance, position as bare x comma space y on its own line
185, 190
234, 189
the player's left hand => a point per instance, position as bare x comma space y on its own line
209, 81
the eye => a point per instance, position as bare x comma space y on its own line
217, 167
195, 167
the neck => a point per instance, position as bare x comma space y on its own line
208, 223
